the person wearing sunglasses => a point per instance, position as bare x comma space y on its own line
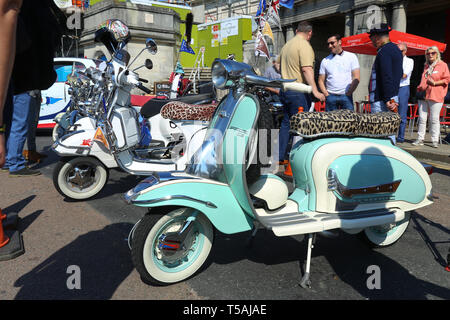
338, 76
434, 82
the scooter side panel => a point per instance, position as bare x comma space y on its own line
358, 171
215, 200
379, 157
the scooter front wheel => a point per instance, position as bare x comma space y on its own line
161, 261
80, 178
385, 235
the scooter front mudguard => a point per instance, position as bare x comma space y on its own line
81, 143
214, 199
357, 174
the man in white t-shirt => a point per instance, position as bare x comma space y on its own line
338, 76
403, 92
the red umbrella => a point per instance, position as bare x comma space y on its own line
360, 43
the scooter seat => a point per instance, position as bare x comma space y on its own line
177, 110
345, 123
153, 106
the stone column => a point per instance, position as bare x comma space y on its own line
279, 40
399, 16
361, 17
290, 33
348, 31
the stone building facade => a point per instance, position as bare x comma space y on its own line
144, 22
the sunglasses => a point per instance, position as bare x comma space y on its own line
431, 53
331, 42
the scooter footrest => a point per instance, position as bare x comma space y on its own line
293, 223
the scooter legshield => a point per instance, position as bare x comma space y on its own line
214, 199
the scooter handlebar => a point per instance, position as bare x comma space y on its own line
286, 84
296, 86
146, 90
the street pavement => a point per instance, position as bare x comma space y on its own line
91, 235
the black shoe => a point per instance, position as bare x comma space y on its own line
24, 172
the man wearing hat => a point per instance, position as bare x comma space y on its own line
387, 71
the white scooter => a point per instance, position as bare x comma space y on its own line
113, 138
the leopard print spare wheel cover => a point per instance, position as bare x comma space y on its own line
345, 122
177, 110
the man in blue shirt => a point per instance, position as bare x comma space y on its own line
387, 71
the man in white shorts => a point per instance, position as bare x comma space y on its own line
338, 76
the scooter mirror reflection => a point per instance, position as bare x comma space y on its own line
151, 46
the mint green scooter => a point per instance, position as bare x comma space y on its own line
357, 184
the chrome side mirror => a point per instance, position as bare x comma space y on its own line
151, 46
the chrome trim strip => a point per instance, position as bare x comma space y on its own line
174, 197
335, 185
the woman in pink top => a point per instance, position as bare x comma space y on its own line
434, 82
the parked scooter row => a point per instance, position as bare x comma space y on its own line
109, 135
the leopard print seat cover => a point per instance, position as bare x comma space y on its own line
177, 110
344, 122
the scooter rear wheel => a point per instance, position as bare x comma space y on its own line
385, 235
157, 266
80, 178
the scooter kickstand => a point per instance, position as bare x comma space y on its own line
252, 236
306, 282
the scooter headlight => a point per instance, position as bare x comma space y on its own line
219, 75
226, 72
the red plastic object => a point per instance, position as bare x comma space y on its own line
139, 101
3, 238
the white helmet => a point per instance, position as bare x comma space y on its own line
271, 189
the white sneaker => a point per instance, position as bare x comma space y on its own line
435, 145
417, 143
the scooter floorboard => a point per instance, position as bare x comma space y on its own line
294, 223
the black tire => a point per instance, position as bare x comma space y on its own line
265, 122
98, 174
150, 262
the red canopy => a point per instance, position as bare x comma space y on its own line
360, 43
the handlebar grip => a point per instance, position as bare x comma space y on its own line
143, 80
146, 90
296, 86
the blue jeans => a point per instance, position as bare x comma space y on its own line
292, 101
380, 106
339, 101
33, 119
403, 97
17, 118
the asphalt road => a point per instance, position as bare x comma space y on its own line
271, 269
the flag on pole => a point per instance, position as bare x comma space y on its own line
261, 48
261, 7
287, 3
267, 31
272, 14
186, 48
